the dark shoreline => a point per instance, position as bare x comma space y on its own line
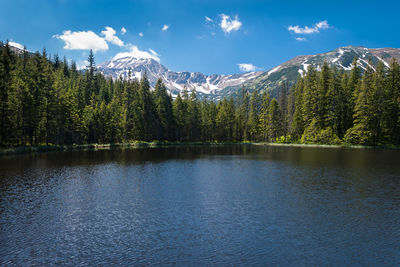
136, 145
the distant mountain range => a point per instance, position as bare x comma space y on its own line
341, 57
217, 86
175, 81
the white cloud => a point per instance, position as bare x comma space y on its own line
82, 65
141, 34
309, 30
322, 24
165, 27
228, 25
17, 45
301, 39
134, 51
247, 67
153, 52
208, 19
109, 36
82, 41
123, 30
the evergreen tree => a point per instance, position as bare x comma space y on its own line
392, 102
275, 120
90, 78
253, 121
225, 120
163, 106
283, 104
193, 117
298, 124
6, 67
241, 116
264, 116
148, 115
179, 111
361, 132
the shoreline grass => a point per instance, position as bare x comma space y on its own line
155, 144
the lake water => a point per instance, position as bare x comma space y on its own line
202, 206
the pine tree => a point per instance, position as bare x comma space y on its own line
164, 112
392, 102
179, 111
241, 116
193, 117
148, 116
310, 98
253, 121
225, 119
351, 93
6, 67
275, 120
283, 104
335, 103
361, 132
264, 116
90, 78
298, 125
325, 85
378, 107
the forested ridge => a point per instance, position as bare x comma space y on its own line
48, 101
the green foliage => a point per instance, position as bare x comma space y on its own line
314, 134
50, 102
359, 135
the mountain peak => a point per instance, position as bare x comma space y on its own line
218, 86
125, 63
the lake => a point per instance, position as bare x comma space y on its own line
201, 206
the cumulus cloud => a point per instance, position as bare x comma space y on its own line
109, 36
301, 39
141, 34
17, 45
228, 24
208, 19
86, 40
246, 67
165, 27
82, 40
309, 30
135, 52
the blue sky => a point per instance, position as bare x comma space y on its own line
205, 36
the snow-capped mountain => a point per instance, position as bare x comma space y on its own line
218, 86
129, 67
341, 57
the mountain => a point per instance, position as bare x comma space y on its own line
217, 86
290, 70
174, 81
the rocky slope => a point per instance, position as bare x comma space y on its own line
135, 68
217, 86
341, 57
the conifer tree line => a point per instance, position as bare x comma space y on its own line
48, 101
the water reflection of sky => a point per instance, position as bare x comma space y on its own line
202, 206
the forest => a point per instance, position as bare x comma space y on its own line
47, 101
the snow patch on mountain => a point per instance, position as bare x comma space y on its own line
274, 70
127, 67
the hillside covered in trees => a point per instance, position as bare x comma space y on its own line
48, 101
